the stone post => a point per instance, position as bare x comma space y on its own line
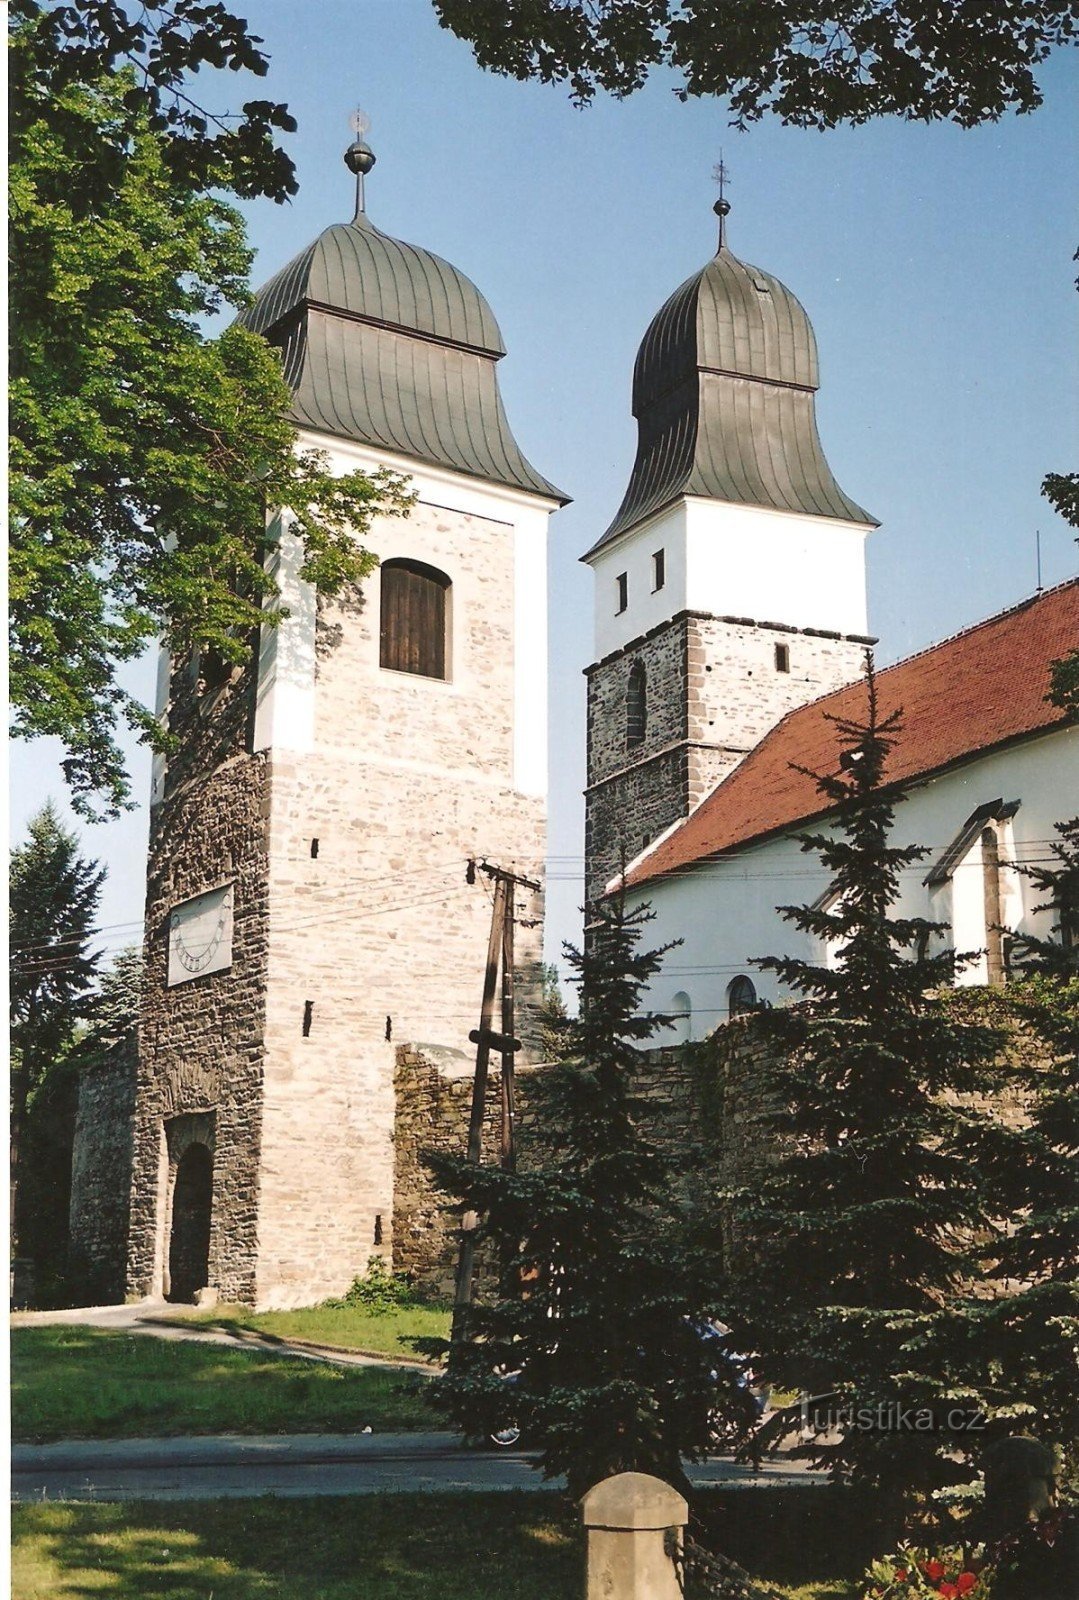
634, 1525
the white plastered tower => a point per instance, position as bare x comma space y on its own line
730, 586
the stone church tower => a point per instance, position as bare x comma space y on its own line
730, 586
307, 907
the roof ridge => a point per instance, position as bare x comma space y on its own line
973, 627
915, 655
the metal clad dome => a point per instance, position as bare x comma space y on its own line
355, 268
723, 393
386, 344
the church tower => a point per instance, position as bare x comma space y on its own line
309, 908
730, 586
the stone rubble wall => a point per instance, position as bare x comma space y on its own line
101, 1178
201, 1042
713, 692
701, 1102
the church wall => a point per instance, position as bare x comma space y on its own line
379, 932
701, 1107
200, 1043
748, 560
725, 910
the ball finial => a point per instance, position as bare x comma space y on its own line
359, 157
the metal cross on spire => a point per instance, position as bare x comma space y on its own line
359, 157
722, 206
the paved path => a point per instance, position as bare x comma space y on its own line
230, 1467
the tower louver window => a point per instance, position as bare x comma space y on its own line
414, 620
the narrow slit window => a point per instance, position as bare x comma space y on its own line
783, 657
636, 705
659, 570
308, 1017
622, 588
414, 619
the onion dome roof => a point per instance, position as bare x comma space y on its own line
386, 344
723, 393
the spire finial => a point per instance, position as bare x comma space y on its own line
722, 206
359, 157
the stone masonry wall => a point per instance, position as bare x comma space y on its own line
200, 1044
101, 1177
703, 1108
375, 935
713, 691
707, 1106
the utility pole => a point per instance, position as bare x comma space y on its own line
486, 1038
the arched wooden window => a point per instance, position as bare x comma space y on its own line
741, 996
414, 619
636, 705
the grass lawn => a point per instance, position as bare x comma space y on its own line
378, 1333
82, 1383
376, 1547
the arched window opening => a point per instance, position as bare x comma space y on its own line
414, 619
741, 996
681, 1016
636, 705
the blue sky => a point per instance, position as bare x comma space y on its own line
935, 264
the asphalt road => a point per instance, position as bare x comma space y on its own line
231, 1467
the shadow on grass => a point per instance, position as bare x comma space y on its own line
380, 1547
76, 1382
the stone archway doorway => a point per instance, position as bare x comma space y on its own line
189, 1239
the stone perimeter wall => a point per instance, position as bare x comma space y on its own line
100, 1177
703, 1104
706, 1104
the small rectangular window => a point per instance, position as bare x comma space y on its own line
622, 585
659, 570
783, 657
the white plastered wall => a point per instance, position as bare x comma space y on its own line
733, 560
725, 910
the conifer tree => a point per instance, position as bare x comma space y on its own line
53, 902
856, 1239
599, 1303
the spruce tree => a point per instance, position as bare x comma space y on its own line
856, 1241
599, 1301
53, 901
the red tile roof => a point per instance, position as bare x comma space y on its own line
971, 693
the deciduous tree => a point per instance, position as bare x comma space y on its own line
144, 456
812, 65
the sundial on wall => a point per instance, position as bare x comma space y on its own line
200, 935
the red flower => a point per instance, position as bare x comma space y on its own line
966, 1581
947, 1591
901, 1575
933, 1571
